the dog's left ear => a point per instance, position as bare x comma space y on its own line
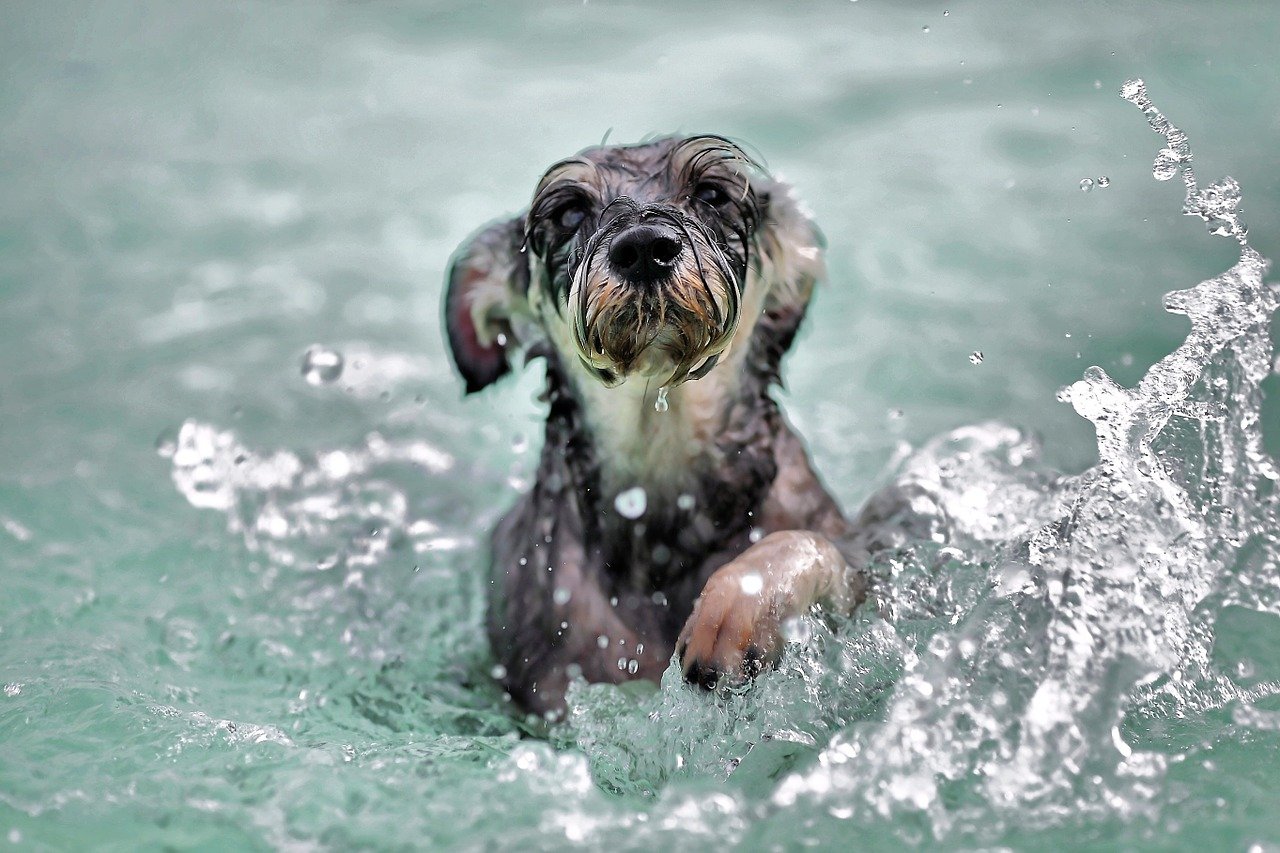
791, 249
488, 285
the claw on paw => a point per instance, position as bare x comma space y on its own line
731, 634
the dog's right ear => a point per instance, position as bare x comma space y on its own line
488, 284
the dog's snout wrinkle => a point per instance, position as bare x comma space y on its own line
647, 253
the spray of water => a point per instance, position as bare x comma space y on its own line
1016, 661
1019, 659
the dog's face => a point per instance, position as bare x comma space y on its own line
641, 253
633, 261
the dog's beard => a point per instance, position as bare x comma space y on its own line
671, 332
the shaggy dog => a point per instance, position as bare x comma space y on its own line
675, 510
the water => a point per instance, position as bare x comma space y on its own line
242, 507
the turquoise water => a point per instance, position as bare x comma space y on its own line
243, 610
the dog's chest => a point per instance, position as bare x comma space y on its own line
665, 450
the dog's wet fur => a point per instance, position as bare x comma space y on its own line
677, 264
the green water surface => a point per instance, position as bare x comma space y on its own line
191, 194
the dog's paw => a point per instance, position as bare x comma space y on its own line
734, 631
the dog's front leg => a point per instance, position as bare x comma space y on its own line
736, 625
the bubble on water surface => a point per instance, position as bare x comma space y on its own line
1086, 184
631, 503
660, 404
975, 357
321, 365
1104, 181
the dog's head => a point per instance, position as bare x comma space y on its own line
646, 260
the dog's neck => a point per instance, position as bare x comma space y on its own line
704, 465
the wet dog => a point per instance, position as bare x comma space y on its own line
674, 509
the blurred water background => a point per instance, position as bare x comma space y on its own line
241, 609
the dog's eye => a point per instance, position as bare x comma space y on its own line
570, 216
710, 194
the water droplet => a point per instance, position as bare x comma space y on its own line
975, 357
321, 365
1104, 181
631, 503
633, 666
639, 648
499, 672
519, 443
661, 404
602, 642
796, 630
755, 535
686, 502
925, 29
1097, 84
622, 663
561, 595
751, 583
1086, 185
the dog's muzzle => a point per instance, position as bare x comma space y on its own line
655, 295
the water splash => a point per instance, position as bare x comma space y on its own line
1021, 651
338, 507
1217, 203
1100, 603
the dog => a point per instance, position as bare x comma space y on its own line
674, 510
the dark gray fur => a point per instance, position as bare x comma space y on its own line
633, 582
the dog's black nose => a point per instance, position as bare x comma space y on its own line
645, 253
